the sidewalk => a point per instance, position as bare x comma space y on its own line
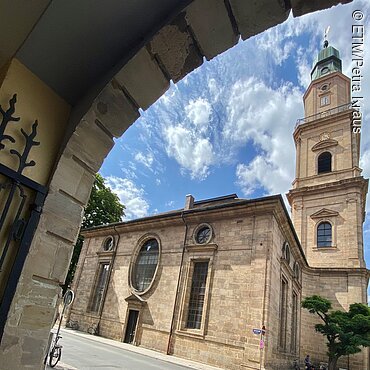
139, 350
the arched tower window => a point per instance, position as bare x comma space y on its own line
324, 234
324, 162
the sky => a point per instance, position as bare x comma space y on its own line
227, 127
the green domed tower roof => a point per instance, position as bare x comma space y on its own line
328, 61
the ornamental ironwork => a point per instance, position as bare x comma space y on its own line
21, 198
324, 114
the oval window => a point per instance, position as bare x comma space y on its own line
108, 244
324, 70
145, 265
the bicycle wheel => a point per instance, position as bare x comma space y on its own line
74, 325
91, 330
55, 355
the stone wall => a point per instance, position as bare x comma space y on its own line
242, 293
205, 28
280, 356
342, 287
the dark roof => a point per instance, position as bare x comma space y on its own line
199, 204
212, 204
218, 200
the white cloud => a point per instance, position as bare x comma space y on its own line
213, 88
261, 171
270, 41
170, 203
146, 160
365, 165
365, 162
199, 112
193, 152
265, 117
158, 182
130, 195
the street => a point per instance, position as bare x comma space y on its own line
84, 352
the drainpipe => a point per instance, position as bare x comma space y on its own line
108, 281
267, 272
178, 286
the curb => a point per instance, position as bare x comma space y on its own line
142, 351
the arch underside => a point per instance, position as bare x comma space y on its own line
105, 104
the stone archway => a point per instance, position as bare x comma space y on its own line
204, 29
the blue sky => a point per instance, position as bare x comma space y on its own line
227, 127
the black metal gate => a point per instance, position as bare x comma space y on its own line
21, 201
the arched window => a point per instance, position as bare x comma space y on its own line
324, 234
286, 252
324, 162
297, 271
145, 265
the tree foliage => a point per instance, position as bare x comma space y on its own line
346, 332
103, 208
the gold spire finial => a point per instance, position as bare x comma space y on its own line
326, 42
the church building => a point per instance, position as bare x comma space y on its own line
221, 281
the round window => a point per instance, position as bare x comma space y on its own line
108, 244
324, 87
203, 235
145, 266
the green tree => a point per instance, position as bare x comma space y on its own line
103, 208
346, 332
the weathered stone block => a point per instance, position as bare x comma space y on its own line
143, 79
82, 182
214, 33
176, 49
254, 17
301, 7
36, 317
9, 341
114, 110
90, 144
33, 350
61, 216
62, 260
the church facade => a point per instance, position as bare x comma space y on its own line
221, 280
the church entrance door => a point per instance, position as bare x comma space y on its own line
131, 326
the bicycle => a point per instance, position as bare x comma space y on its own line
295, 365
56, 352
93, 329
72, 324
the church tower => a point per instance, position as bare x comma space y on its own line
329, 194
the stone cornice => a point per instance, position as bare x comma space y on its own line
209, 247
363, 271
341, 184
324, 213
324, 144
322, 121
135, 300
242, 206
